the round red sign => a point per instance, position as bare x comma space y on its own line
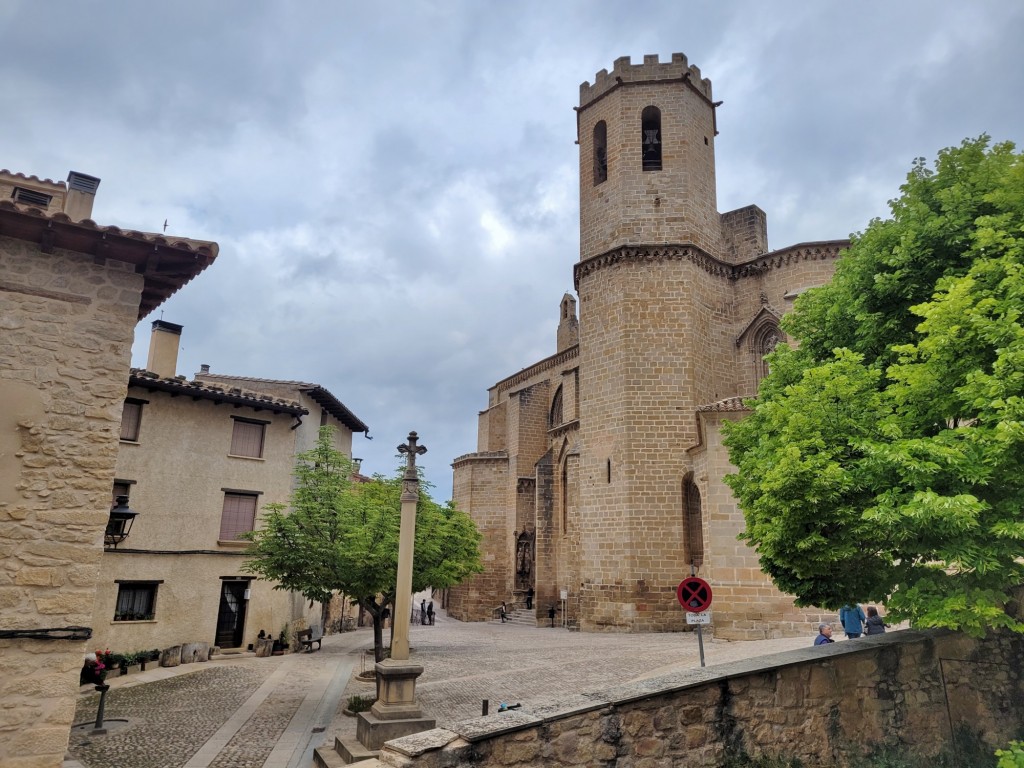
694, 594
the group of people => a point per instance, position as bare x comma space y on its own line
426, 612
855, 623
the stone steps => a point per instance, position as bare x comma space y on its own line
518, 616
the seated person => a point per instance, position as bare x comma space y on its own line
92, 671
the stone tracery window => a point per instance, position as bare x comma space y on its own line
763, 344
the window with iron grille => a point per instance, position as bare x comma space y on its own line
136, 600
247, 438
238, 516
131, 420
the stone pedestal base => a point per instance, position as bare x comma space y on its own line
396, 712
372, 732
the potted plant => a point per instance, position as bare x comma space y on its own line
281, 644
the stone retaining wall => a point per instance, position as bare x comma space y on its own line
911, 691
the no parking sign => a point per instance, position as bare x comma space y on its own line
694, 594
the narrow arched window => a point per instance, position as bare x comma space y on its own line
650, 130
555, 415
694, 524
565, 497
763, 344
600, 153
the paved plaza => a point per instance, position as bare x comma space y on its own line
245, 712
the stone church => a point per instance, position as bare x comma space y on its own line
597, 479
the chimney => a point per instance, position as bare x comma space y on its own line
163, 349
81, 195
204, 368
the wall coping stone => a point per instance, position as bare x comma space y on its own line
424, 741
481, 456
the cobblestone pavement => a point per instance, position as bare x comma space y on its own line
467, 663
269, 713
168, 720
244, 713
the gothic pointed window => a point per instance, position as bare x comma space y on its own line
555, 416
600, 153
764, 343
650, 131
694, 522
565, 497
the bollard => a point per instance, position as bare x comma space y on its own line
487, 705
98, 727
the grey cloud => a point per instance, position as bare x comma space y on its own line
393, 186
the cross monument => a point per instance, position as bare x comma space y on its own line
396, 712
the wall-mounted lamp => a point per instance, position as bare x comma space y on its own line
120, 523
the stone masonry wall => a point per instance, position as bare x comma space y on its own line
481, 487
824, 705
66, 327
746, 605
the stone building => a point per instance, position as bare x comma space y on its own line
71, 293
198, 460
598, 471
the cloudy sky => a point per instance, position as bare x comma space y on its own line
393, 185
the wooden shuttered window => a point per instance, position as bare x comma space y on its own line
131, 419
247, 438
238, 516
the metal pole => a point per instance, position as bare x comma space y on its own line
700, 635
98, 727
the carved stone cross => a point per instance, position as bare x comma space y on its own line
411, 450
411, 481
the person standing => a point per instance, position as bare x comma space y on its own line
874, 625
529, 599
502, 610
824, 635
852, 618
423, 611
551, 615
430, 613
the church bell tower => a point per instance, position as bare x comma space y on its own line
649, 229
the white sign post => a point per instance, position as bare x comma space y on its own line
704, 617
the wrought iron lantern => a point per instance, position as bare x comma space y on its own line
120, 522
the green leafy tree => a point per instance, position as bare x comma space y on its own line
883, 458
341, 536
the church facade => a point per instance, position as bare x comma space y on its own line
597, 480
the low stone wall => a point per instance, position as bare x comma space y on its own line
908, 690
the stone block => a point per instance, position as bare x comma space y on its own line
170, 657
372, 732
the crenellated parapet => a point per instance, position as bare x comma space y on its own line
624, 72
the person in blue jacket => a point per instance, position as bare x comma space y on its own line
824, 635
852, 618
